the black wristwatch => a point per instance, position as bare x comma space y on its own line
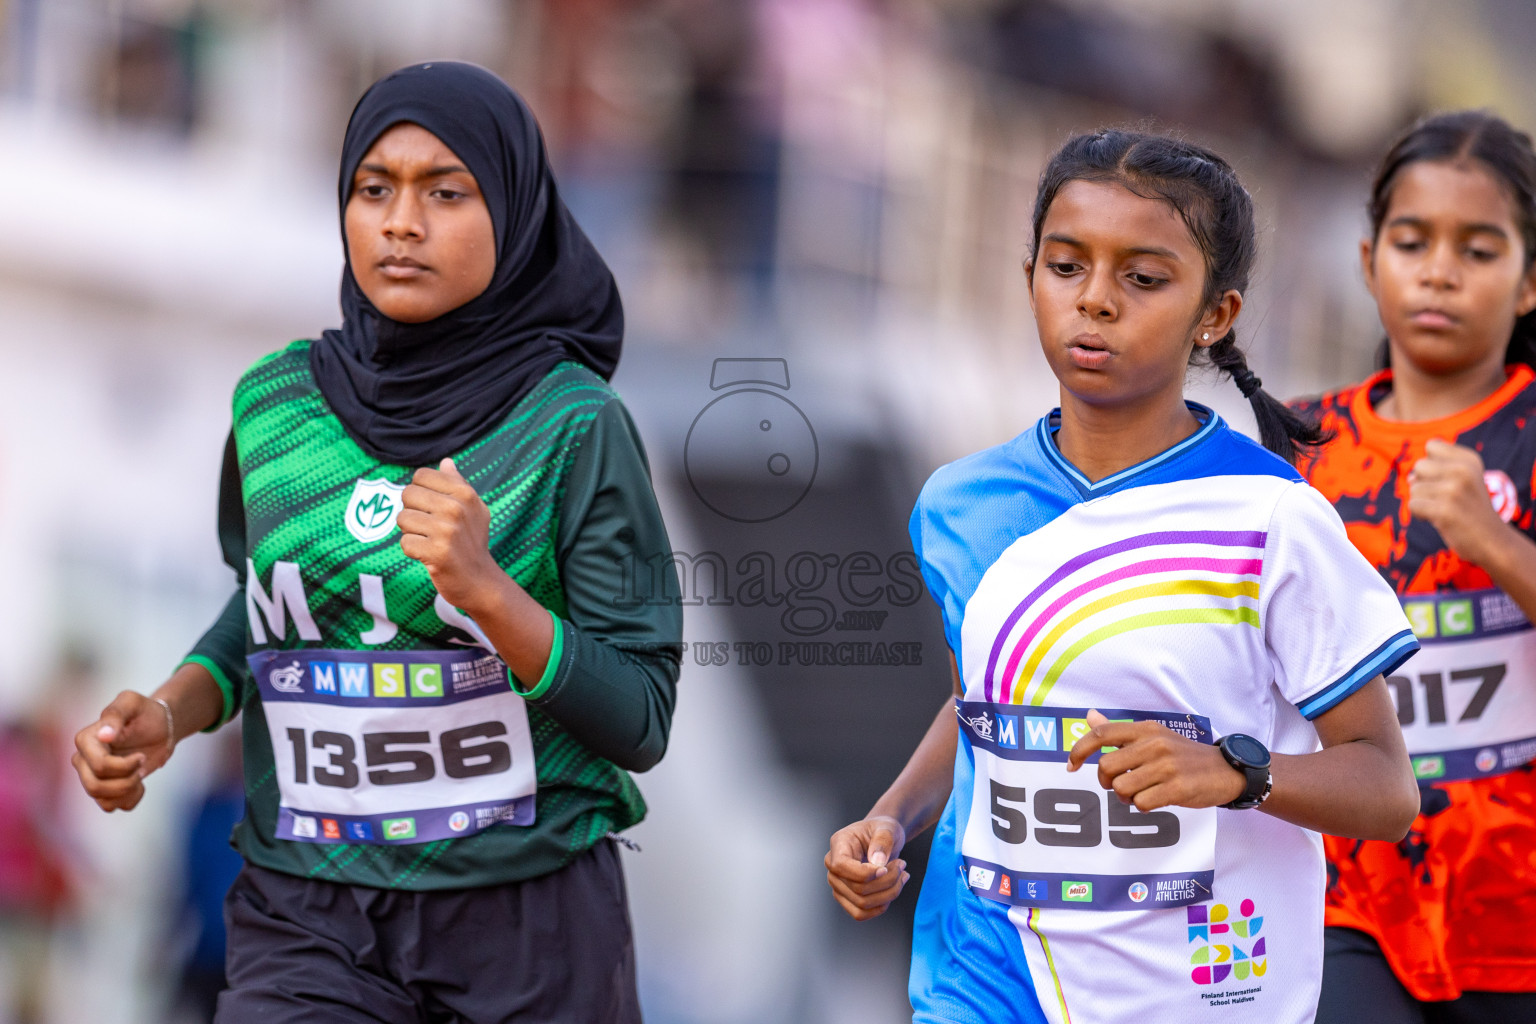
1250, 757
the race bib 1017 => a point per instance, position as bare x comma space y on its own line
395, 746
1467, 700
1039, 836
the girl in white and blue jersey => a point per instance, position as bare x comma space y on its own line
1132, 585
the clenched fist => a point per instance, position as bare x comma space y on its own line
1446, 489
862, 868
114, 753
446, 527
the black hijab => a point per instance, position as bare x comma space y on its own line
411, 394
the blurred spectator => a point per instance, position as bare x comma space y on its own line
1173, 71
147, 75
723, 189
35, 884
211, 864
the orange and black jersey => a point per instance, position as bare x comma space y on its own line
1451, 904
1364, 472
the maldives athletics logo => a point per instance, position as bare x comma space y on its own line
1228, 946
372, 509
287, 678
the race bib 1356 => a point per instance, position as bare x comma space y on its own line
394, 746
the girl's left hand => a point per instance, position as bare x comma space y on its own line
1156, 767
446, 527
1446, 489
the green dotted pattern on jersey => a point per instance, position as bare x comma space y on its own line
298, 467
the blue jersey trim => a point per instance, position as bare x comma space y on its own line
1212, 424
1392, 653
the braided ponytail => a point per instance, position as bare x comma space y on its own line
1206, 193
1280, 430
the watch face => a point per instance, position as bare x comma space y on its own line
1247, 750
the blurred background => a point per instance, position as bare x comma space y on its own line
816, 210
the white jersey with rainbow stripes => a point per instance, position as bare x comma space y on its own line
1208, 588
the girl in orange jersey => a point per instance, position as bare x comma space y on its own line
1431, 470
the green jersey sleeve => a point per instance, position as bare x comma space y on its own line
615, 684
221, 650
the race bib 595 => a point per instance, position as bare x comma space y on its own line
1039, 836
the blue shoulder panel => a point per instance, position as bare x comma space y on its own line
971, 510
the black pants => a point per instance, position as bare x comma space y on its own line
1359, 988
552, 949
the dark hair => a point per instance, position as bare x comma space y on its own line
1503, 151
1218, 211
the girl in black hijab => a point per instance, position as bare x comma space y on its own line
413, 393
445, 675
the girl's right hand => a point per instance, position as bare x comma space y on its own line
112, 755
1446, 488
861, 867
1150, 766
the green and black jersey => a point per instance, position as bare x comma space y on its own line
565, 479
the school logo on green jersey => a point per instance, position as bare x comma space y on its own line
372, 509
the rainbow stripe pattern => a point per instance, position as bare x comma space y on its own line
1167, 578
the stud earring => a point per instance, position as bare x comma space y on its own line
1206, 336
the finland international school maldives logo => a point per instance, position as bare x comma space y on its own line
1228, 945
372, 509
